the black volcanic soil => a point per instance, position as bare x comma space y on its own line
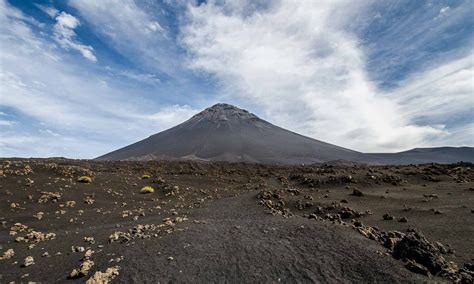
222, 222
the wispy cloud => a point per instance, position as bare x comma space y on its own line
45, 85
367, 76
65, 35
306, 72
6, 122
132, 32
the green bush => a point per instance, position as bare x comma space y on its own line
84, 179
146, 176
147, 189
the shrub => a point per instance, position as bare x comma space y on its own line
147, 189
84, 179
146, 176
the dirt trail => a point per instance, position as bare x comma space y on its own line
235, 242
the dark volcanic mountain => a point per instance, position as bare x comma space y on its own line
226, 133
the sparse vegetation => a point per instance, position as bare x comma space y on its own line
160, 180
147, 189
84, 179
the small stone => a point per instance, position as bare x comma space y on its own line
387, 217
417, 268
77, 249
357, 193
403, 220
29, 260
39, 215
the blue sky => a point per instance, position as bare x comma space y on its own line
81, 78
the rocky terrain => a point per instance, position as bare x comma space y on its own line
155, 221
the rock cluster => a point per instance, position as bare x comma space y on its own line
104, 277
85, 266
274, 201
9, 253
145, 231
49, 197
419, 254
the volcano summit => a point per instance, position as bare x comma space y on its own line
226, 133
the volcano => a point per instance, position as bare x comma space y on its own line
227, 133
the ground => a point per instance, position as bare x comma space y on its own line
224, 222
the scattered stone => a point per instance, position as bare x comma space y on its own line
89, 199
88, 254
77, 249
357, 193
430, 196
104, 277
387, 217
403, 220
36, 237
16, 228
89, 240
29, 260
9, 253
14, 205
415, 267
70, 204
39, 215
28, 182
49, 197
83, 270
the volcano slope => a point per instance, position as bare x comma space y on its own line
227, 133
230, 222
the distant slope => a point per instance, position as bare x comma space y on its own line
443, 155
226, 133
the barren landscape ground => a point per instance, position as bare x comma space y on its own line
224, 222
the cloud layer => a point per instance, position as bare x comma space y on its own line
86, 77
307, 73
63, 108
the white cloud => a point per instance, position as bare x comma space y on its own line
147, 78
442, 91
172, 115
133, 32
444, 10
52, 12
6, 122
50, 132
66, 37
93, 114
295, 60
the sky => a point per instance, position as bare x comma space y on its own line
81, 78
